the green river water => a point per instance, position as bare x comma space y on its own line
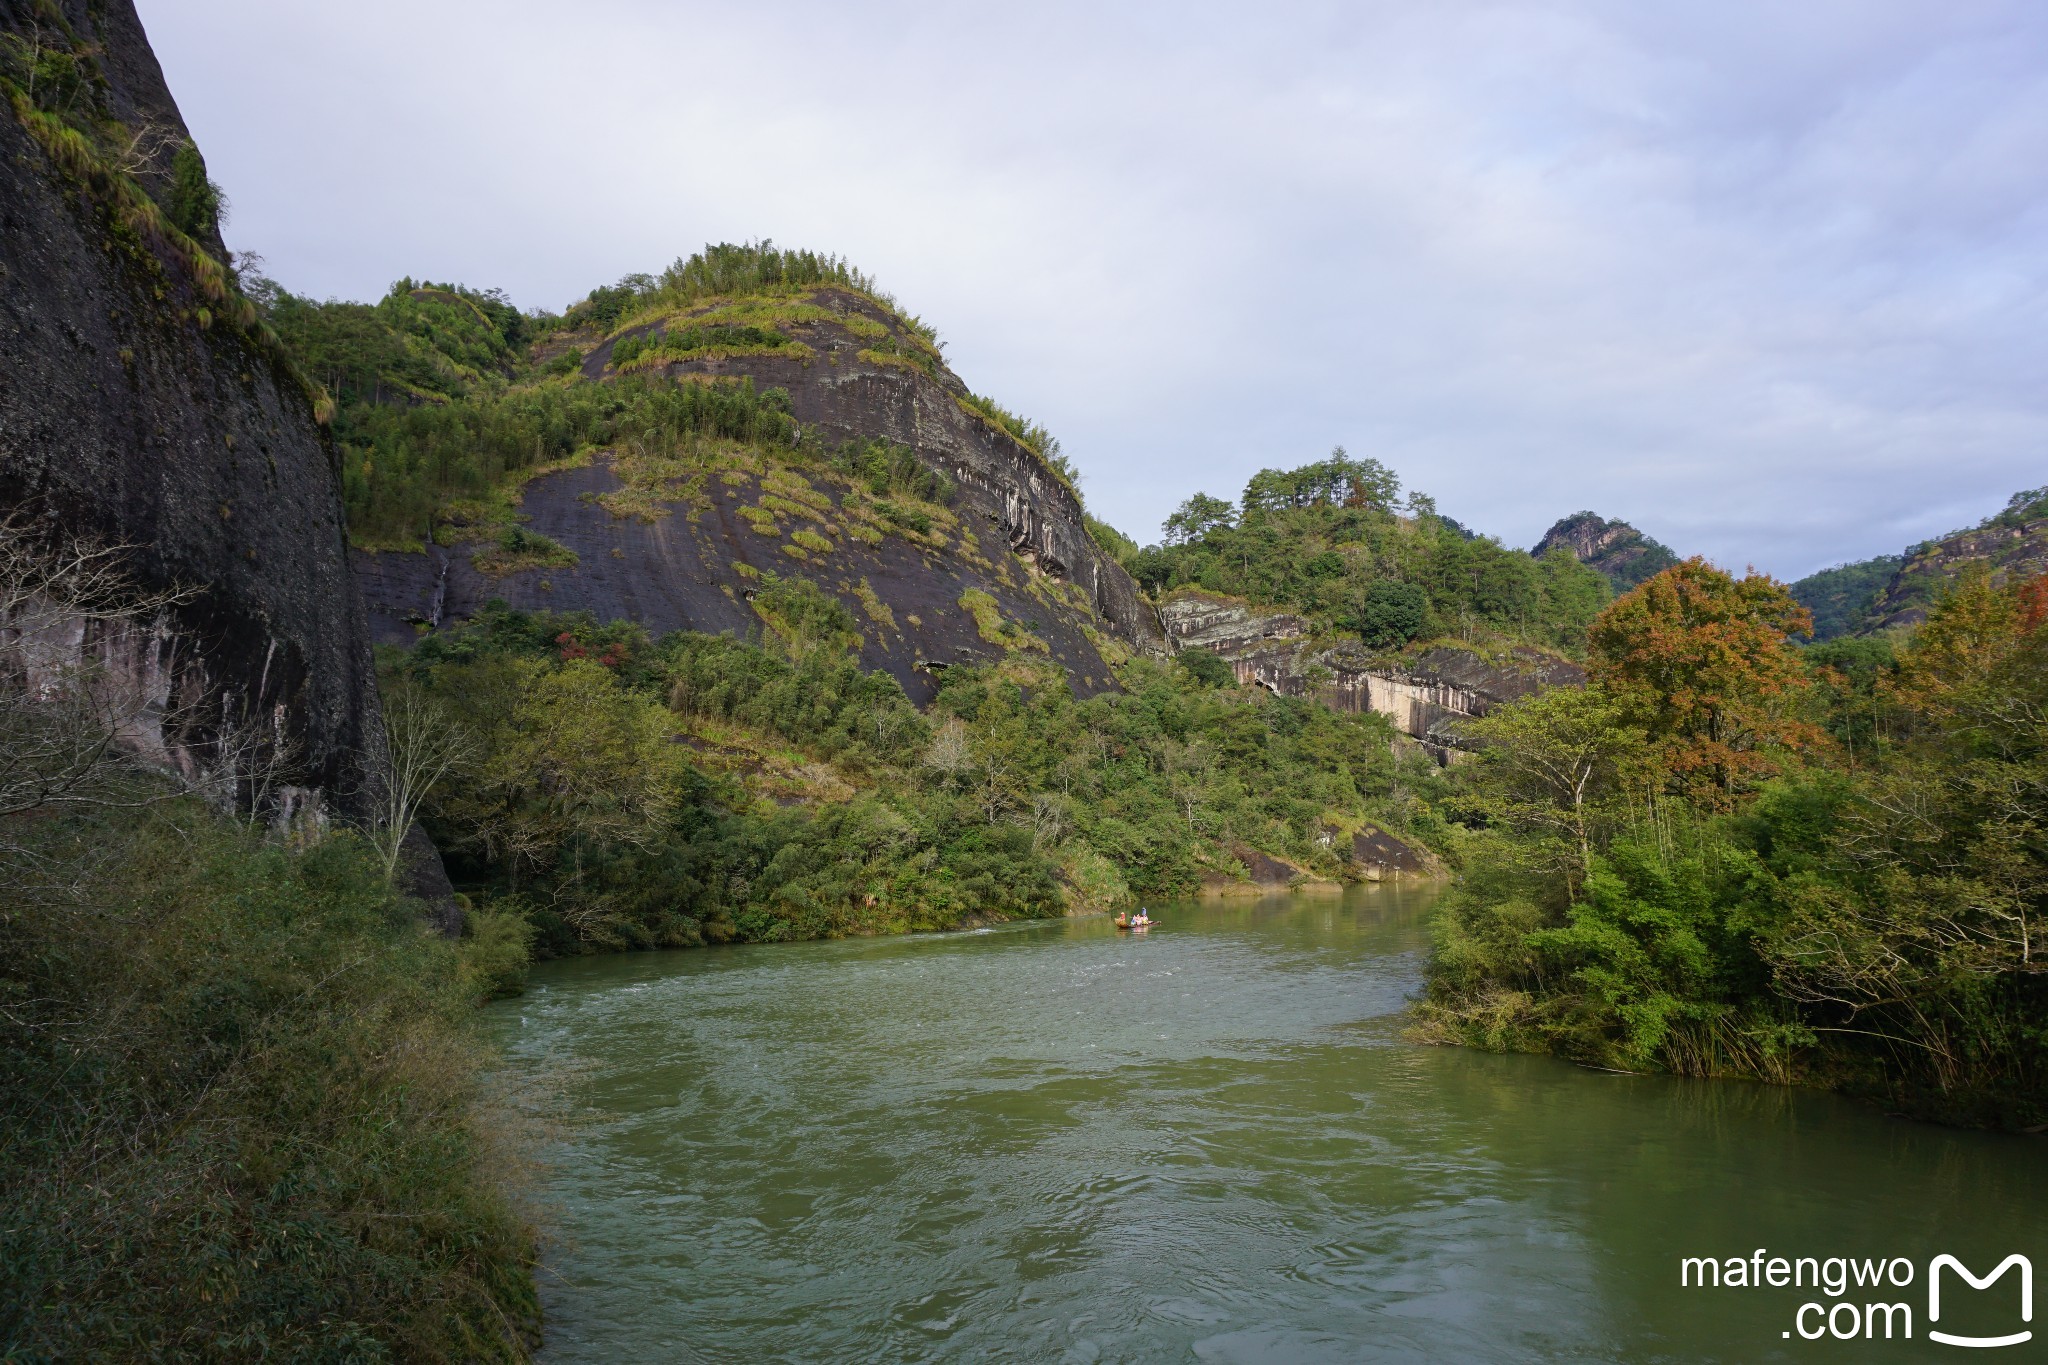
1054, 1142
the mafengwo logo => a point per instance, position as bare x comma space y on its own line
1873, 1298
1946, 1262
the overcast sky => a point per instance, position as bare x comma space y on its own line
1766, 280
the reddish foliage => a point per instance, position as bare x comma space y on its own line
1702, 660
2033, 601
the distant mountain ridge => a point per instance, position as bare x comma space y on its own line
1888, 591
1615, 549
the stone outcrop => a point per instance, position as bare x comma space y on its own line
1372, 854
136, 410
1021, 538
2014, 548
1615, 549
699, 571
1424, 693
1895, 591
1263, 875
1001, 481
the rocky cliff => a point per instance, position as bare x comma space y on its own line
1009, 564
2011, 544
1624, 555
1425, 692
1895, 590
142, 404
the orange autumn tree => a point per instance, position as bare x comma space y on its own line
1703, 662
1974, 671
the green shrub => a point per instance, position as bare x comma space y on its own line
1207, 667
196, 202
498, 948
1392, 613
886, 467
238, 1109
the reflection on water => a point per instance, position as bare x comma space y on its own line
1055, 1142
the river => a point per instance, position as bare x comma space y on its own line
1052, 1142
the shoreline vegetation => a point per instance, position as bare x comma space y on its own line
1727, 856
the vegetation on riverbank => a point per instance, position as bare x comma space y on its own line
1725, 858
238, 1107
621, 792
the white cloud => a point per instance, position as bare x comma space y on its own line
1765, 280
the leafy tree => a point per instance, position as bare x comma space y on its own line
1316, 540
1207, 667
1392, 613
1703, 662
1111, 541
1869, 918
1339, 481
1553, 760
1196, 517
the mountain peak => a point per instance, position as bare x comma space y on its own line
1613, 548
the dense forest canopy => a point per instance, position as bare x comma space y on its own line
1334, 541
1007, 797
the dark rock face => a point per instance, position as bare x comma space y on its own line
678, 574
1000, 479
1374, 851
1613, 548
1030, 549
1425, 694
1263, 869
1263, 875
126, 417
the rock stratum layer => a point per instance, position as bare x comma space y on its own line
135, 410
1017, 533
1425, 693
